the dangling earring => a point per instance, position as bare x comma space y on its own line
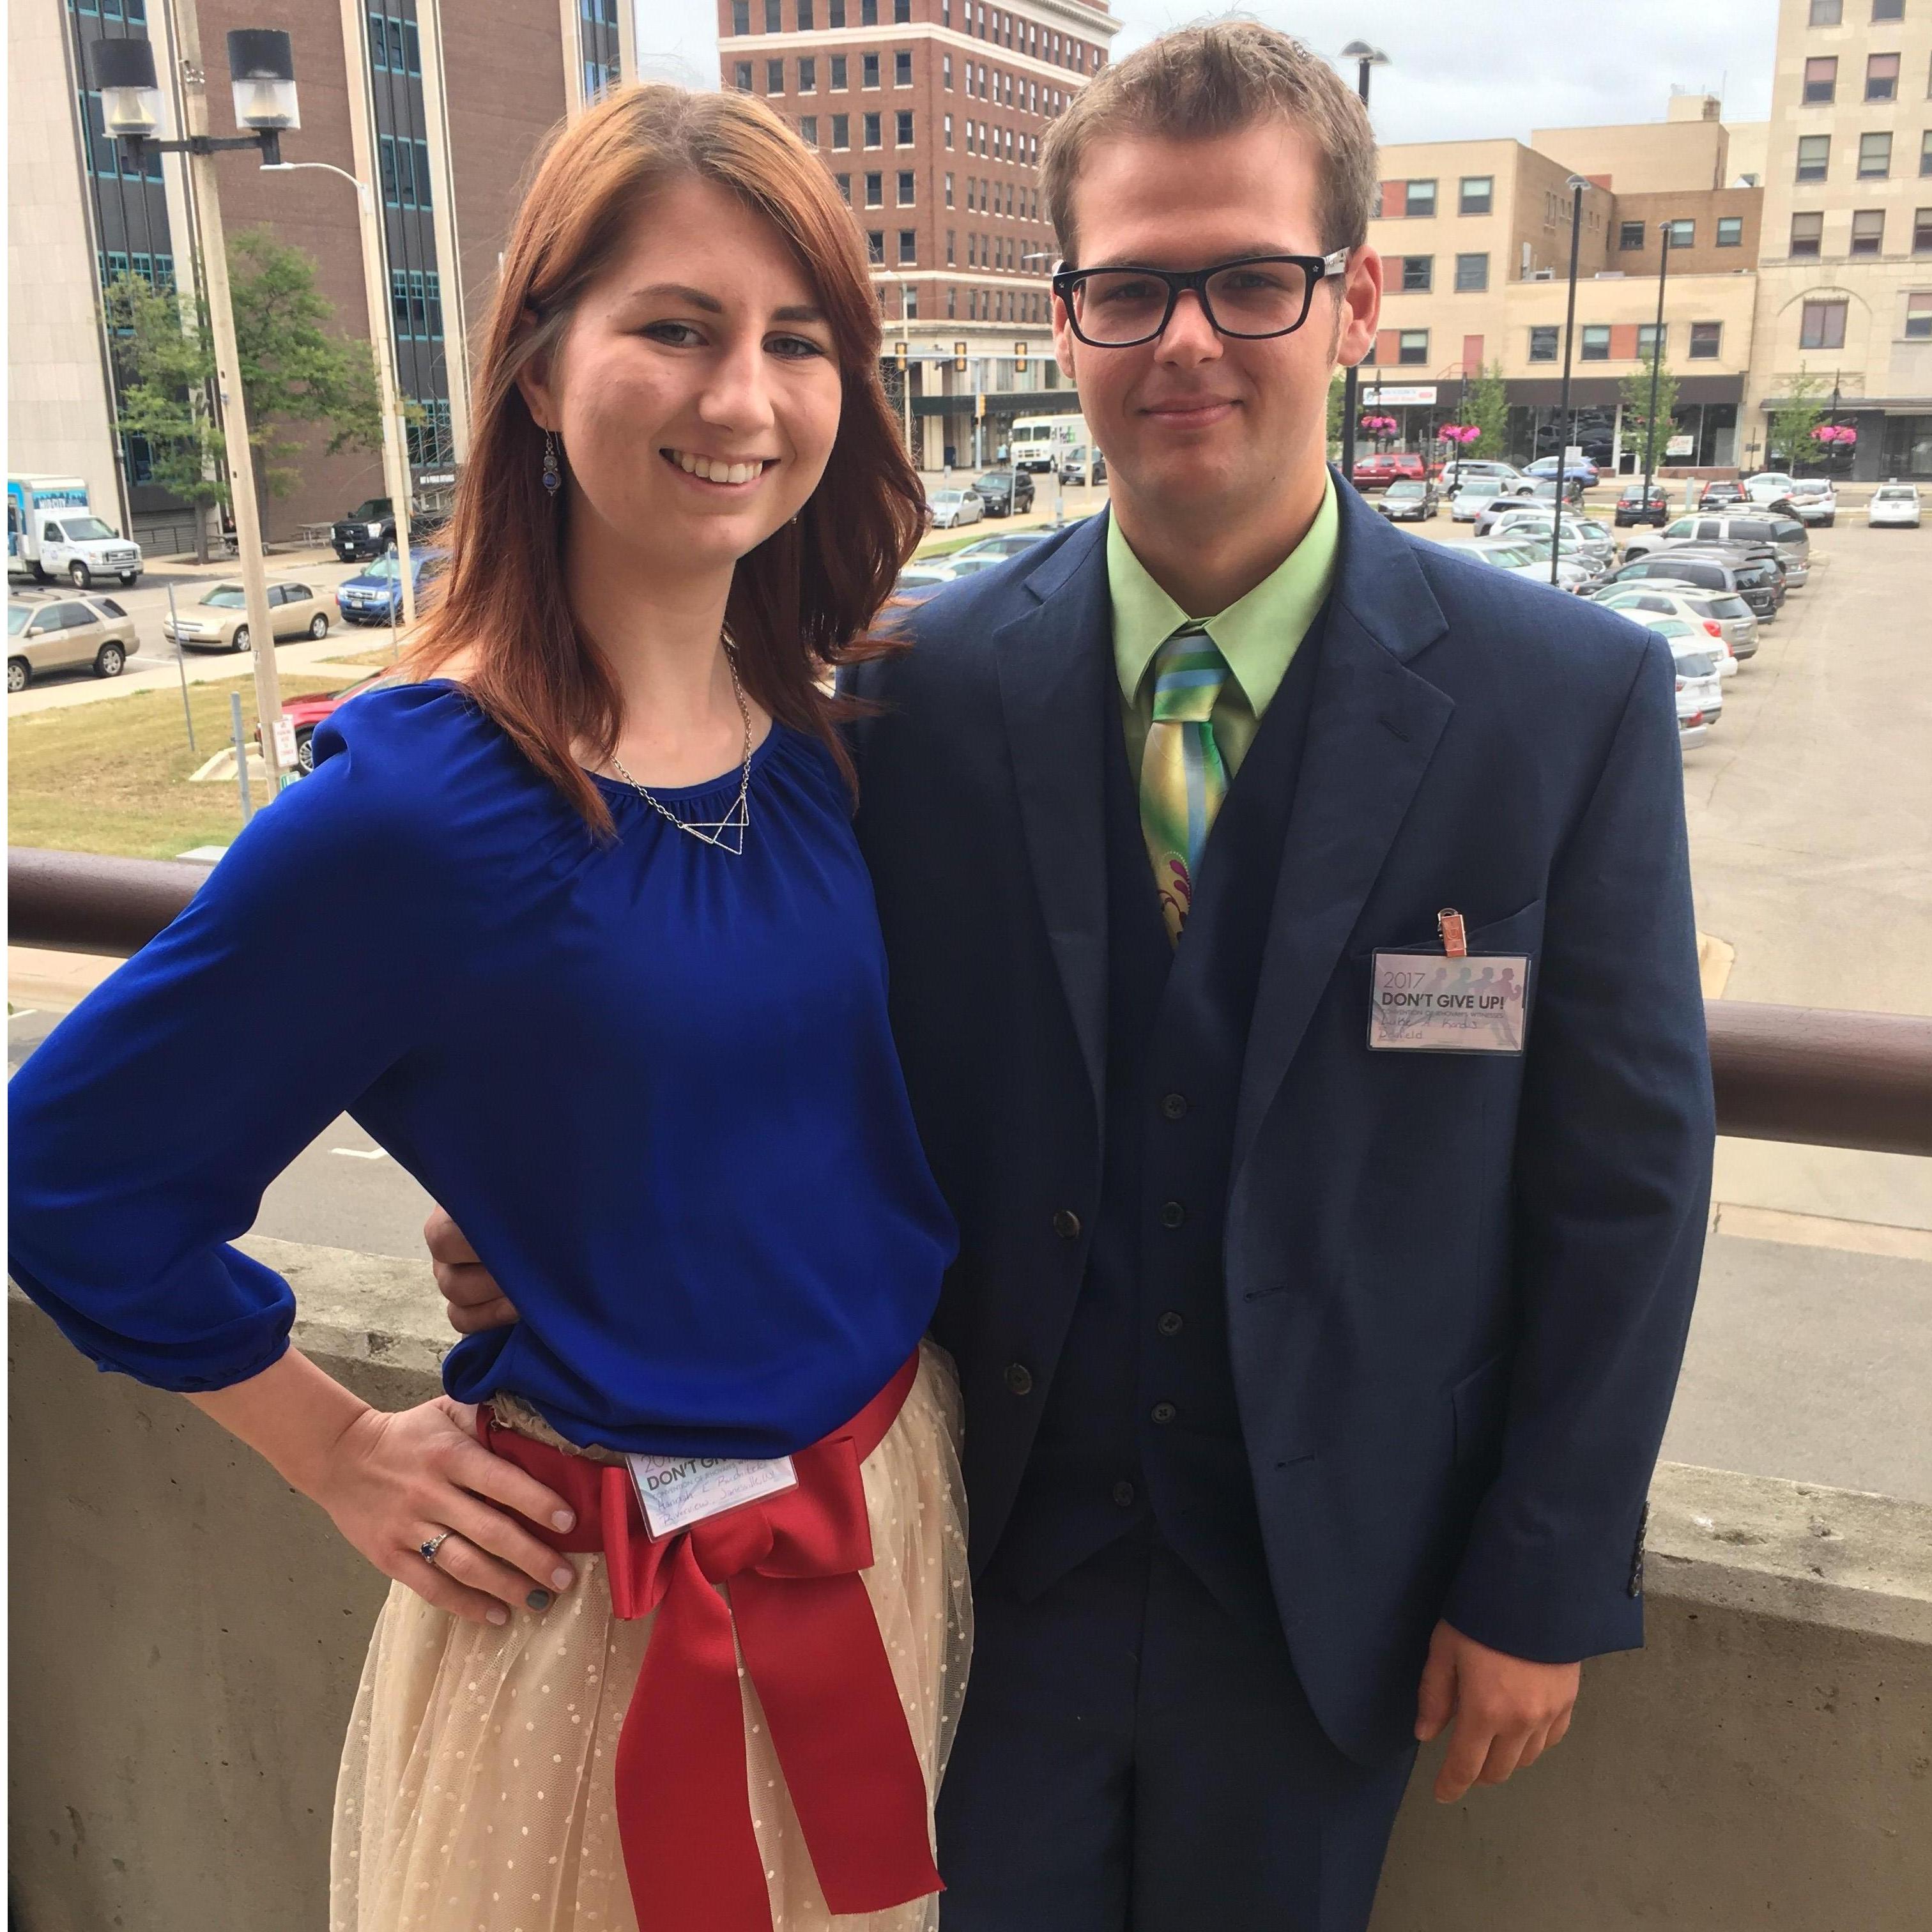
552, 476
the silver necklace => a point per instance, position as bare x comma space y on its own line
726, 834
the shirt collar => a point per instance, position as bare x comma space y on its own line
1257, 634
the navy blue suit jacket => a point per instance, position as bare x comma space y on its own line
1458, 1285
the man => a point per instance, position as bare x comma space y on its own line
1316, 1353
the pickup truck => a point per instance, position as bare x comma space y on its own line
1378, 471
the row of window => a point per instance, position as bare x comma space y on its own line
1000, 89
157, 271
416, 295
135, 11
871, 129
1415, 200
1814, 155
988, 23
1594, 343
394, 47
1417, 274
1831, 13
1821, 323
405, 169
1683, 233
432, 441
982, 305
1821, 79
1868, 235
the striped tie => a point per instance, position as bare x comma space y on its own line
1182, 780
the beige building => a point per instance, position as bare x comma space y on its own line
1687, 149
1846, 270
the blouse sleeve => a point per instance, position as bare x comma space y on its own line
145, 1127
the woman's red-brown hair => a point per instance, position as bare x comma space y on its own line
806, 598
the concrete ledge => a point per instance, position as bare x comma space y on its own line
187, 1634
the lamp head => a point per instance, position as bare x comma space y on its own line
1360, 50
261, 64
130, 96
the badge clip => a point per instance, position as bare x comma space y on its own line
1449, 924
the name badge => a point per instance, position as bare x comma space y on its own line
677, 1491
1450, 1002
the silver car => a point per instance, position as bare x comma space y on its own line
1700, 690
952, 508
1522, 558
1591, 539
1736, 626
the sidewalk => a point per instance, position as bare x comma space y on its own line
305, 654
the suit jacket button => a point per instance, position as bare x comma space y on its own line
1019, 1378
1173, 1106
1169, 1324
1172, 1214
1163, 1412
1123, 1495
1066, 1225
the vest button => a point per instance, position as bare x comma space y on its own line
1123, 1495
1172, 1214
1169, 1324
1163, 1412
1066, 1225
1019, 1378
1174, 1105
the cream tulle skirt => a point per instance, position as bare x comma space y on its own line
477, 1791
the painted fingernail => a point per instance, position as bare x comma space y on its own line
538, 1600
565, 1520
562, 1578
498, 1615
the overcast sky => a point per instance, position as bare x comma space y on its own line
1459, 69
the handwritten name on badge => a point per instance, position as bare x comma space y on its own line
1425, 1002
677, 1491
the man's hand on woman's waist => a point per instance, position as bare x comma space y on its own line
473, 1300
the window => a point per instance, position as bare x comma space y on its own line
875, 190
905, 188
908, 246
945, 72
1707, 341
1827, 13
1630, 235
1814, 153
952, 247
1730, 231
835, 13
1475, 194
1821, 79
902, 12
433, 283
948, 190
1596, 343
845, 185
1543, 342
1888, 9
774, 18
741, 17
1648, 338
1922, 233
946, 130
1882, 76
1874, 156
1807, 234
805, 21
422, 170
1418, 272
808, 75
1868, 232
868, 70
1413, 346
1421, 198
903, 129
872, 131
399, 300
842, 131
418, 306
741, 76
775, 76
1918, 316
1925, 152
379, 42
902, 67
868, 13
1472, 274
807, 130
1822, 325
875, 245
840, 82
385, 160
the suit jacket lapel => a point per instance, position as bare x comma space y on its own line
1055, 661
1372, 727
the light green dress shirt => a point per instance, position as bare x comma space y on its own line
1258, 634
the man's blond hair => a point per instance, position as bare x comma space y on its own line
1214, 80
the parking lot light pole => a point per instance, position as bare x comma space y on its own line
1575, 184
1365, 57
1656, 366
261, 66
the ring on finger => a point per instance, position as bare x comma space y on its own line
426, 1549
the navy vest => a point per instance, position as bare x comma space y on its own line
1141, 1416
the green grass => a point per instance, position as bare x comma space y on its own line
111, 776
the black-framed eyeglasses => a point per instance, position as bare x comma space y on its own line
1251, 297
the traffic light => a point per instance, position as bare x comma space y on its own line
959, 357
899, 354
1019, 358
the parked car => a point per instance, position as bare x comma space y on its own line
949, 508
1720, 493
66, 634
1083, 464
1767, 486
1548, 465
1634, 506
1579, 561
1894, 506
1409, 500
306, 713
1524, 559
220, 622
1757, 531
1004, 492
1815, 501
1720, 614
1009, 543
376, 597
1532, 519
1474, 497
1461, 469
1380, 468
1754, 582
1540, 497
1700, 688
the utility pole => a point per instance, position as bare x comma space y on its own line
1365, 57
1656, 365
1576, 184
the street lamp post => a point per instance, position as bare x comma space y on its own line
261, 66
1575, 184
1365, 57
1656, 366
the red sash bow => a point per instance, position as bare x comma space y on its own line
812, 1648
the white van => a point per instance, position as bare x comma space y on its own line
51, 531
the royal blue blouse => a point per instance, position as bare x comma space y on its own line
653, 1082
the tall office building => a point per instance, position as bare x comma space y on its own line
1846, 266
929, 116
439, 109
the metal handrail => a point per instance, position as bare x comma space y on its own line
1810, 1074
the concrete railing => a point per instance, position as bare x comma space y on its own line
187, 1633
1781, 1073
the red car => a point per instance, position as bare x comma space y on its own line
306, 713
1377, 473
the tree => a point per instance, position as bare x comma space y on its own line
1791, 427
1636, 408
1485, 405
1336, 392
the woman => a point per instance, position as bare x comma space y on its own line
576, 926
